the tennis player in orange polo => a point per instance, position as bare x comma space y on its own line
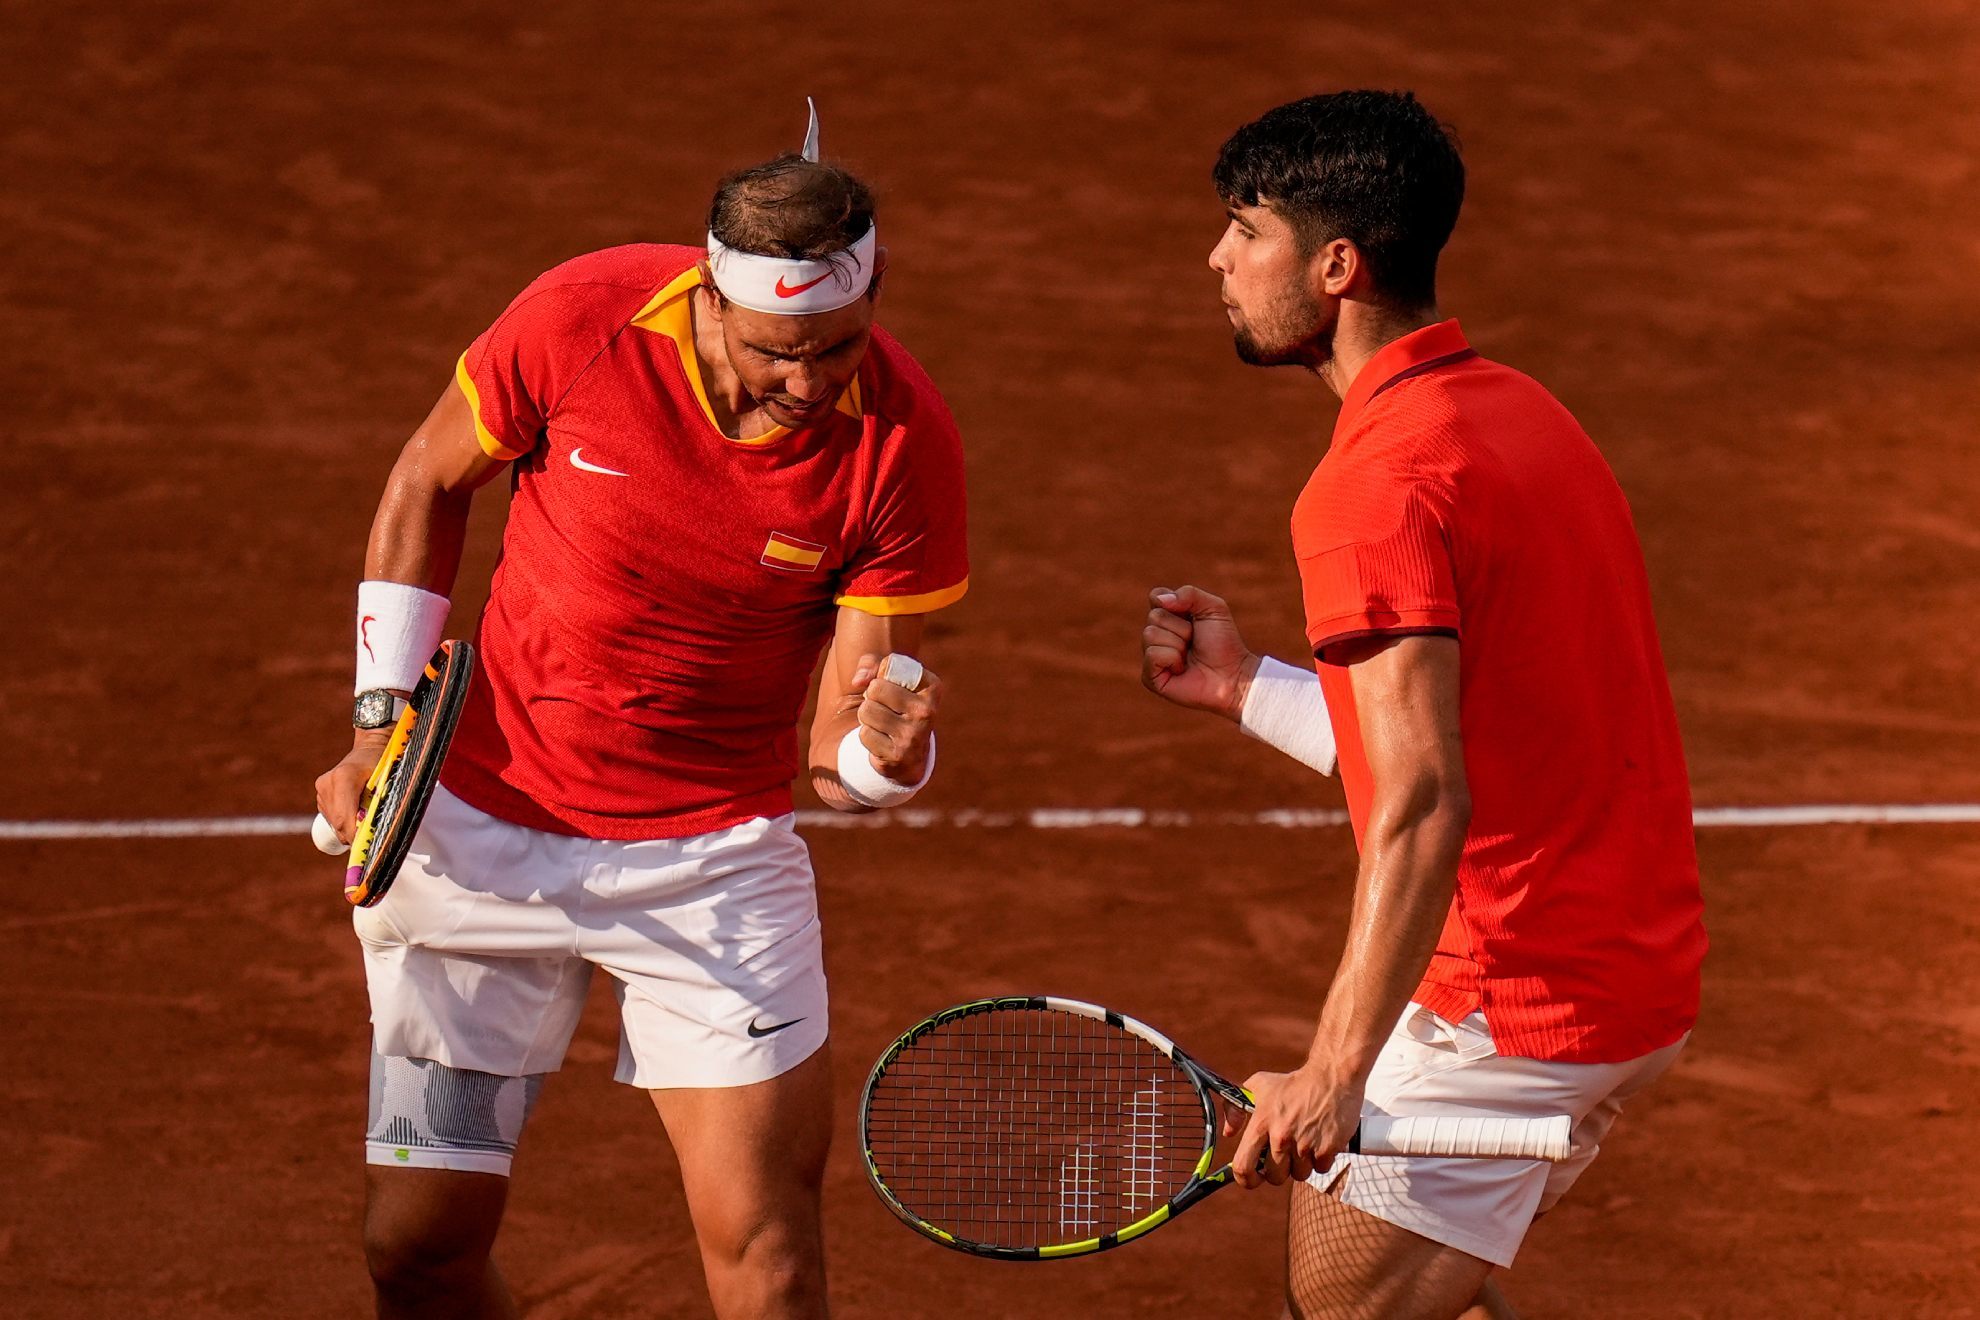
720, 467
1526, 930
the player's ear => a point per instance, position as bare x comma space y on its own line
1337, 266
716, 303
879, 274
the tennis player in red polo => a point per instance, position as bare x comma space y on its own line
720, 467
1526, 931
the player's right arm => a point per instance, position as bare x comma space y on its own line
416, 539
421, 524
1193, 655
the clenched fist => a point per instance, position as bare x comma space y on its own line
895, 721
1192, 653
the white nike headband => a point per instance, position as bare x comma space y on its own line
793, 288
786, 287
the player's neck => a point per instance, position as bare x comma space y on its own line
737, 413
1365, 329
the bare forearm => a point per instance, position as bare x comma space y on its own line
838, 713
852, 693
1402, 896
827, 733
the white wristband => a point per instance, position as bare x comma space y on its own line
865, 784
399, 628
1284, 708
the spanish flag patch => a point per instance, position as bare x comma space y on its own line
791, 554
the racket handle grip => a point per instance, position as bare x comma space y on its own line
324, 835
1476, 1137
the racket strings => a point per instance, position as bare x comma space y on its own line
1026, 1127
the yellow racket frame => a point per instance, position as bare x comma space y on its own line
395, 748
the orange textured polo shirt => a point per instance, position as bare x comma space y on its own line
1459, 497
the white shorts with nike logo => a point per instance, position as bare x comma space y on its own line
480, 954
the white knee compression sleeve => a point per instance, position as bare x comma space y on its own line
425, 1115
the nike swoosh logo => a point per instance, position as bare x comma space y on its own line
364, 635
785, 291
758, 1033
577, 461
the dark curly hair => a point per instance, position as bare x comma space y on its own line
1372, 167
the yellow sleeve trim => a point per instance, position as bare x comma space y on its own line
489, 444
933, 600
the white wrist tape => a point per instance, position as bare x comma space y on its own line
399, 628
867, 785
1284, 708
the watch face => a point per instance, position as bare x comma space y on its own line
373, 709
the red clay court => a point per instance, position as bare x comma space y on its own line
244, 244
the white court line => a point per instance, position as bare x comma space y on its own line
1924, 813
1042, 818
213, 827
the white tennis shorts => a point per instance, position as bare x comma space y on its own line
480, 954
1430, 1067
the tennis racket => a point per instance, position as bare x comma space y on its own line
1032, 1128
401, 784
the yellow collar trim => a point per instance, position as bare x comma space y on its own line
669, 312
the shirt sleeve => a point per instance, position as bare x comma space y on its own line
1374, 551
517, 370
915, 557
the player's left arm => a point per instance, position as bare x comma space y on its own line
1406, 695
894, 726
873, 736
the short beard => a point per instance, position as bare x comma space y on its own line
1313, 352
1314, 348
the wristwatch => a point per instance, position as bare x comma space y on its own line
375, 708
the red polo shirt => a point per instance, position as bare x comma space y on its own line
664, 590
1459, 497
